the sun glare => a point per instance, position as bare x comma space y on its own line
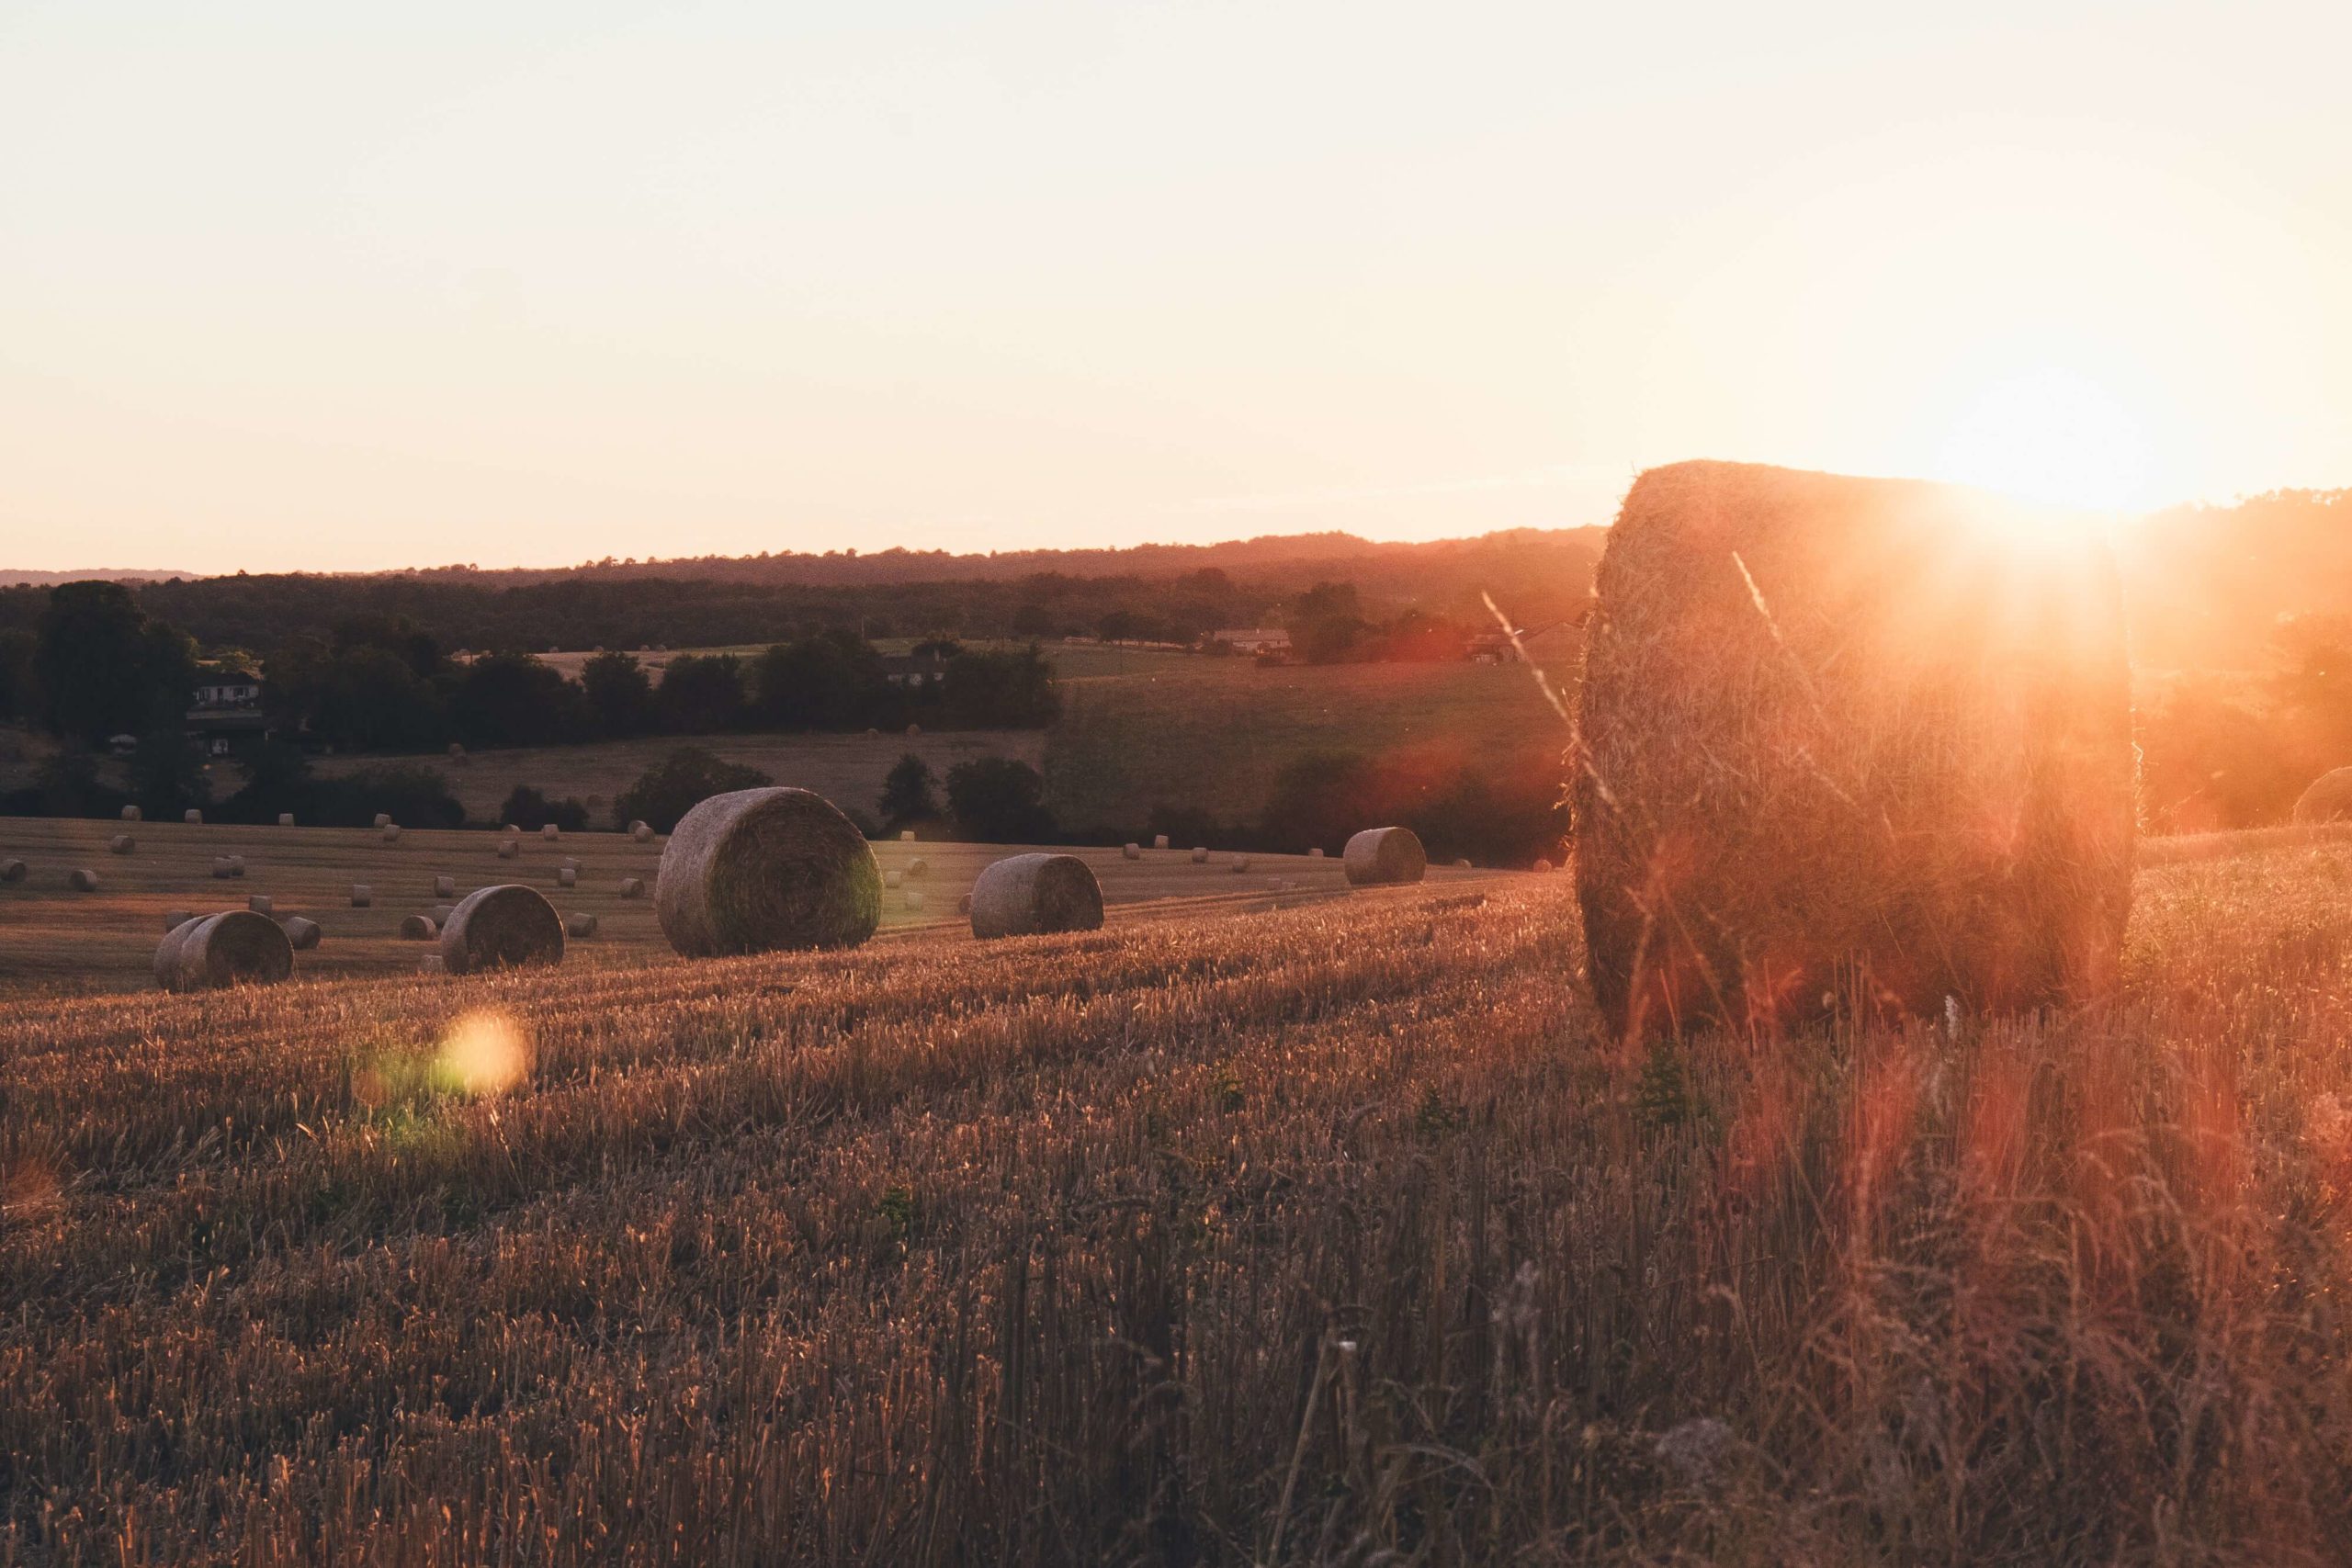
2051, 438
485, 1053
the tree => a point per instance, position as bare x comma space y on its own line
17, 697
1033, 620
998, 800
102, 669
1326, 622
700, 694
369, 699
679, 783
907, 797
531, 810
831, 680
619, 693
167, 774
1012, 690
512, 699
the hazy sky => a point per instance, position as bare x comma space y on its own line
333, 285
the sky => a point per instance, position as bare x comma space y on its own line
346, 287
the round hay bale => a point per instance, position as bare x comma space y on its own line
430, 963
756, 870
1240, 864
439, 914
130, 814
509, 848
1200, 854
418, 927
641, 831
1461, 864
362, 895
905, 835
237, 867
175, 919
236, 947
917, 869
81, 879
221, 868
551, 832
192, 816
565, 877
391, 835
1031, 893
12, 871
914, 901
286, 819
444, 887
892, 878
1160, 840
383, 820
964, 904
509, 830
2329, 798
914, 730
632, 887
121, 844
1131, 851
456, 750
260, 903
580, 924
1315, 853
1380, 856
1848, 738
301, 934
498, 928
1541, 867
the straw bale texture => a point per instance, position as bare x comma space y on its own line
1849, 739
756, 870
1381, 855
1028, 895
234, 948
499, 928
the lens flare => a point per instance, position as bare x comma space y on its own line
2053, 438
484, 1053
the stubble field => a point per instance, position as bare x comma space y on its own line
1331, 1235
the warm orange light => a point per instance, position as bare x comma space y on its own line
485, 1053
2053, 437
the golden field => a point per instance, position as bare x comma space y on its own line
1332, 1235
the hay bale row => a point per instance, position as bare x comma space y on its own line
1848, 738
236, 947
756, 870
1031, 893
1384, 856
499, 928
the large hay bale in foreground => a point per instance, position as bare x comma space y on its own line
2329, 799
1849, 739
756, 870
500, 928
236, 947
1379, 856
1030, 894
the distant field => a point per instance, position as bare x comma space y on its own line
55, 939
846, 769
1139, 728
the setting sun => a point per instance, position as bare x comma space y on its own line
2050, 436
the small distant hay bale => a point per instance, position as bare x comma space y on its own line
1540, 866
12, 871
905, 835
1240, 864
444, 887
418, 927
192, 816
260, 903
362, 895
892, 878
1160, 840
392, 834
175, 919
1382, 856
1131, 851
917, 869
430, 963
567, 876
551, 832
81, 879
224, 867
1856, 739
383, 820
121, 844
286, 819
1033, 894
303, 935
235, 947
632, 887
509, 848
501, 928
1461, 864
964, 904
914, 901
914, 730
640, 831
2329, 799
756, 870
439, 914
509, 830
456, 750
1315, 853
1200, 854
130, 814
580, 923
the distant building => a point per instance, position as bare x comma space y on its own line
228, 715
914, 672
1251, 639
228, 689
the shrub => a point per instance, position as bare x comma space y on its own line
1000, 801
908, 796
530, 810
679, 783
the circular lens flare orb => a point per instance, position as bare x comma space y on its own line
2053, 438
